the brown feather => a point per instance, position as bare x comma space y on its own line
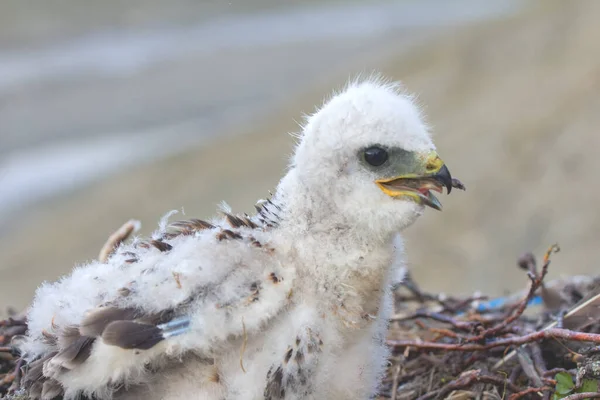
198, 224
132, 257
96, 320
49, 338
67, 336
160, 245
35, 391
228, 234
161, 317
51, 389
187, 227
75, 354
132, 335
583, 314
116, 239
234, 221
249, 222
238, 222
35, 369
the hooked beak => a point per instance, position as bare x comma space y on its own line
432, 174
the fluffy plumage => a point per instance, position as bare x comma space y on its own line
290, 303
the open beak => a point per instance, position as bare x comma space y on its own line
431, 175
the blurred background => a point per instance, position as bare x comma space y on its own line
114, 110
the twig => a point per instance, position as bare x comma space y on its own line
538, 359
447, 303
13, 322
17, 372
462, 325
536, 282
550, 382
514, 374
527, 363
527, 391
583, 396
553, 333
463, 304
468, 379
395, 382
441, 333
554, 371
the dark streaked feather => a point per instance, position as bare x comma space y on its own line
231, 234
132, 335
273, 204
248, 222
132, 257
274, 389
194, 224
228, 234
160, 245
143, 244
95, 321
234, 221
238, 222
187, 227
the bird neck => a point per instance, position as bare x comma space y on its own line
307, 219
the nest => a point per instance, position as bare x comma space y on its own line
10, 363
539, 344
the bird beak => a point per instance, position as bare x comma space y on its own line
430, 174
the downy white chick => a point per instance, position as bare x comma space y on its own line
291, 303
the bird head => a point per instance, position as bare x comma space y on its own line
367, 156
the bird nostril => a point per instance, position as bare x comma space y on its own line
433, 165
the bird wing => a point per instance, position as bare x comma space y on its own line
197, 286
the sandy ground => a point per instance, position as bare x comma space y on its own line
514, 106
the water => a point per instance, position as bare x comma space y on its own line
66, 148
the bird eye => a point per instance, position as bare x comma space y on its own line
375, 156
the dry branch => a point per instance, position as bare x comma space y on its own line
465, 339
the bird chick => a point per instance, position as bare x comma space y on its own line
290, 303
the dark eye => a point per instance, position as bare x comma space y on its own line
375, 156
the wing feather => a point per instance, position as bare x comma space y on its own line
194, 288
